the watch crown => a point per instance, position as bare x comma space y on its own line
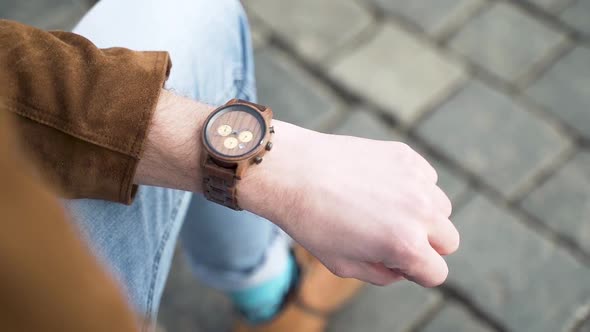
257, 160
272, 129
268, 146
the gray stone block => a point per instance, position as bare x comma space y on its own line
577, 15
565, 90
385, 309
513, 274
294, 95
313, 28
453, 318
398, 72
563, 202
433, 16
506, 41
361, 123
493, 137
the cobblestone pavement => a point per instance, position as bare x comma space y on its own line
495, 93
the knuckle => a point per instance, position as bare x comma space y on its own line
412, 246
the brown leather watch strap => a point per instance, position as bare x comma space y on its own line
219, 184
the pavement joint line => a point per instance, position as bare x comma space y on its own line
438, 100
451, 291
372, 9
550, 118
546, 62
550, 19
449, 32
362, 38
543, 175
428, 315
430, 108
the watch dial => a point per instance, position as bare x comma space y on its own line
235, 131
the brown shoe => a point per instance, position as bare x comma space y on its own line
319, 294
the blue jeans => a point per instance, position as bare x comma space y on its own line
209, 43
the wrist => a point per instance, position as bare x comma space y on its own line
275, 188
172, 159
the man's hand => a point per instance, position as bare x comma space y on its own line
367, 209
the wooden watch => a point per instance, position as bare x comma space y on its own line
235, 136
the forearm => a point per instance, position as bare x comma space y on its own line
171, 152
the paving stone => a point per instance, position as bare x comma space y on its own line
453, 318
362, 123
313, 27
398, 72
577, 15
565, 91
45, 14
493, 137
513, 274
294, 95
563, 202
433, 16
188, 305
506, 41
385, 309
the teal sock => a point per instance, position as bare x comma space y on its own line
263, 302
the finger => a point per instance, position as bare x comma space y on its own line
427, 269
443, 236
374, 273
441, 202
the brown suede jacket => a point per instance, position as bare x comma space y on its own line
76, 117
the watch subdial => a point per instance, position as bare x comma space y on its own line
224, 130
246, 136
230, 143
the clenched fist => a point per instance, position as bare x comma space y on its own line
367, 209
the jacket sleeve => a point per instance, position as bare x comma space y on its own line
82, 112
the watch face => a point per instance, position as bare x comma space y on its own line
235, 130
